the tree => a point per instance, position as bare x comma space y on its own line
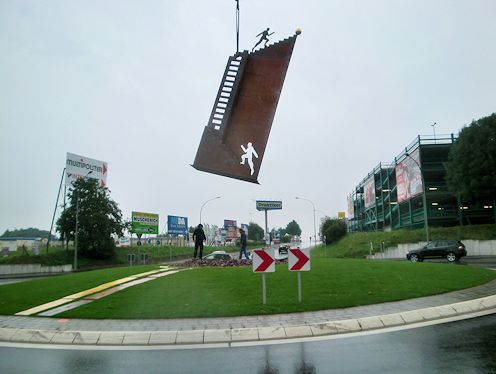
333, 229
471, 167
293, 228
255, 232
27, 233
99, 218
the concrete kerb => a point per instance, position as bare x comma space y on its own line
205, 337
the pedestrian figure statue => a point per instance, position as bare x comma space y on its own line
249, 152
264, 35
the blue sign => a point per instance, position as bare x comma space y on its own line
177, 225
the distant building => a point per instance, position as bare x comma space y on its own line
392, 195
14, 243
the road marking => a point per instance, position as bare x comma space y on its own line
79, 295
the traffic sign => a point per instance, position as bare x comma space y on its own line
264, 261
299, 259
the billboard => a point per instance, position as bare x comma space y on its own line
80, 166
144, 223
351, 207
268, 205
409, 177
177, 225
369, 192
231, 229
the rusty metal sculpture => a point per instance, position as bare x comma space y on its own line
234, 140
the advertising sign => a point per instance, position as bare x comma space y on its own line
409, 177
369, 192
80, 166
351, 207
177, 225
268, 205
144, 223
231, 229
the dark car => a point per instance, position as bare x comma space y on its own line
283, 249
452, 250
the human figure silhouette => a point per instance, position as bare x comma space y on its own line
264, 35
249, 153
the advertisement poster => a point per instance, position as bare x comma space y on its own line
80, 167
351, 207
177, 225
409, 177
144, 223
369, 192
231, 230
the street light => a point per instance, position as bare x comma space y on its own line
424, 199
217, 197
77, 224
314, 227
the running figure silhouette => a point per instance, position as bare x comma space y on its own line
249, 153
264, 35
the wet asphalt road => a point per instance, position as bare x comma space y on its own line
468, 346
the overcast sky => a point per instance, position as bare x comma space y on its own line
133, 83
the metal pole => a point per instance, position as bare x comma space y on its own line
264, 294
77, 229
314, 225
267, 235
55, 209
299, 286
237, 26
217, 197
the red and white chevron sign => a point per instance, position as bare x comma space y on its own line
299, 259
264, 261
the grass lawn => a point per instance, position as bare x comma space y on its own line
16, 297
216, 292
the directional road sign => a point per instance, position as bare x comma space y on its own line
264, 261
299, 259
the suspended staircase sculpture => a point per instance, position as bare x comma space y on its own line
234, 141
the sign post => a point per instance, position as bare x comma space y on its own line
299, 260
264, 262
266, 205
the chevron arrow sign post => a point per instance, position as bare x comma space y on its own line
299, 260
264, 262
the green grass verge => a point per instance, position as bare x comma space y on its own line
357, 244
17, 297
217, 292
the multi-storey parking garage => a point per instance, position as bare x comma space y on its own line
411, 189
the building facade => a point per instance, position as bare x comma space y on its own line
411, 189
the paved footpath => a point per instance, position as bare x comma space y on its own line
231, 330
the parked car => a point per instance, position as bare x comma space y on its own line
218, 255
452, 250
283, 249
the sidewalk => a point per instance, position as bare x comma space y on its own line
229, 330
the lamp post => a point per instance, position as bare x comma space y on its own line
217, 197
77, 225
424, 199
314, 227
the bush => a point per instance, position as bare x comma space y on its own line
333, 230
